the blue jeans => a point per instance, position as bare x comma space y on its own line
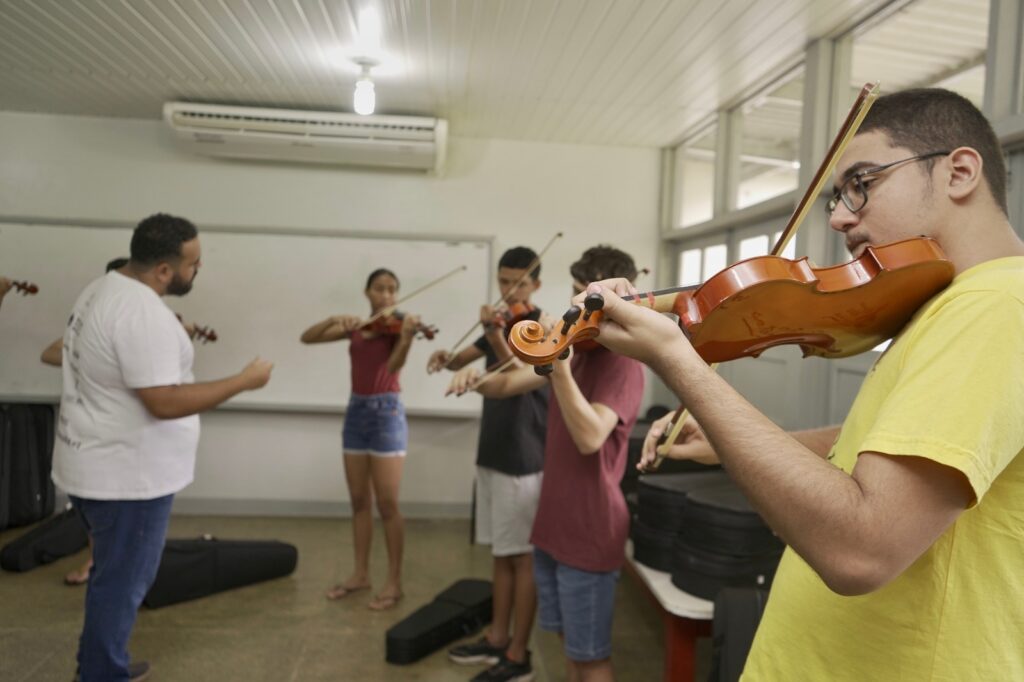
375, 425
128, 540
579, 604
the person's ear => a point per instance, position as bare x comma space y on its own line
965, 172
164, 273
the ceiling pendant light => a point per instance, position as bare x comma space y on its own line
364, 99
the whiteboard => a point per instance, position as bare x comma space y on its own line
258, 289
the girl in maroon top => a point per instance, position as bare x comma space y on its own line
375, 433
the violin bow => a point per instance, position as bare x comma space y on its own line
384, 312
867, 96
491, 373
522, 278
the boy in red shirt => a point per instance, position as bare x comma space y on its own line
579, 533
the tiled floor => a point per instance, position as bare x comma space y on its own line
285, 629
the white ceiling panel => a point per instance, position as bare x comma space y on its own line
617, 72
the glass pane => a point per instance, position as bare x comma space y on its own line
790, 250
714, 260
695, 179
754, 246
928, 43
689, 267
770, 143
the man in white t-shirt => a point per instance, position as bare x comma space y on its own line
129, 427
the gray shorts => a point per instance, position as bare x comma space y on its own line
505, 507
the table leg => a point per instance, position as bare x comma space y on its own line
681, 645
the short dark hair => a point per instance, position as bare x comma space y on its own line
377, 273
159, 238
520, 258
117, 263
927, 120
603, 262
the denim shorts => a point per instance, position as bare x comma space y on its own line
579, 604
375, 425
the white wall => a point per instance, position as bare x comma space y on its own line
91, 169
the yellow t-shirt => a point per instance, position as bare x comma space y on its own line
950, 388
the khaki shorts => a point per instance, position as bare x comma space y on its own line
505, 507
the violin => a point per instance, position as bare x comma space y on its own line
206, 334
512, 314
391, 325
769, 301
25, 288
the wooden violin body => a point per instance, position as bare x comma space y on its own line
769, 301
206, 334
512, 314
391, 325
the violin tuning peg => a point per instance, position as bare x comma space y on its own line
569, 318
593, 303
564, 354
543, 370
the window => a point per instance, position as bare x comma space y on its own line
770, 142
695, 178
697, 265
927, 43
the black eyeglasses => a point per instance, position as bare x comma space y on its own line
854, 190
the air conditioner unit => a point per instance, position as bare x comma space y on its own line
406, 142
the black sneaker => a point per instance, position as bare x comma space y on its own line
480, 651
507, 670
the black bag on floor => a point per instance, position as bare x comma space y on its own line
719, 519
190, 569
737, 614
53, 539
703, 574
460, 610
663, 497
26, 452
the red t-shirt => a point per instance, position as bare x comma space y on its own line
582, 519
369, 359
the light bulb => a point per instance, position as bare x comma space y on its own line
364, 99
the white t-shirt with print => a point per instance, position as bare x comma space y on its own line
122, 337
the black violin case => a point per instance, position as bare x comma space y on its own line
57, 537
660, 514
460, 610
723, 542
190, 569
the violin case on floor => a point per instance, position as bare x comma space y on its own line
26, 453
53, 539
456, 612
190, 569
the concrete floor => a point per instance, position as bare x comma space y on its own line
285, 629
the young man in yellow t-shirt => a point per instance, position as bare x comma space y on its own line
905, 527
